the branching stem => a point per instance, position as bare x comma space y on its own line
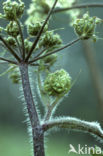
57, 50
19, 47
22, 39
51, 108
10, 49
75, 124
81, 6
40, 32
9, 61
40, 53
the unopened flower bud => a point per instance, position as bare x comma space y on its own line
28, 45
85, 27
50, 39
14, 75
33, 29
57, 83
11, 41
51, 59
12, 9
12, 29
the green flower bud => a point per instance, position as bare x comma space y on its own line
85, 27
49, 39
12, 29
14, 75
51, 59
57, 83
15, 78
12, 9
47, 62
11, 41
33, 29
28, 45
98, 20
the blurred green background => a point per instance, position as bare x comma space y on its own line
82, 101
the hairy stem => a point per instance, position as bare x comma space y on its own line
40, 32
51, 109
75, 124
37, 131
81, 6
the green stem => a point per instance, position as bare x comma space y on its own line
81, 6
44, 97
76, 124
22, 39
51, 108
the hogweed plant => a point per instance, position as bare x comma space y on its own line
39, 50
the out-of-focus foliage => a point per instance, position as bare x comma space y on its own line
39, 9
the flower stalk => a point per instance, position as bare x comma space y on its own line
37, 131
81, 6
57, 50
75, 124
41, 30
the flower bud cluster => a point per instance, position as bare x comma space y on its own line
12, 29
11, 41
57, 83
13, 10
85, 27
50, 60
33, 29
49, 39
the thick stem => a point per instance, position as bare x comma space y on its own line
37, 131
